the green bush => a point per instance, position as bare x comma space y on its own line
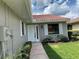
55, 38
22, 56
63, 38
25, 51
29, 42
75, 37
51, 38
46, 39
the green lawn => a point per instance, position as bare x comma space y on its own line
68, 50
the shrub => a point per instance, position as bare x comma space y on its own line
75, 37
22, 56
63, 38
55, 38
29, 42
51, 38
46, 39
25, 51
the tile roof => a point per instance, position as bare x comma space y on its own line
48, 18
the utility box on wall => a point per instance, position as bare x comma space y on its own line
3, 33
6, 43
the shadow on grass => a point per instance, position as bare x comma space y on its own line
51, 53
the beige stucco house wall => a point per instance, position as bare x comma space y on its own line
75, 26
74, 23
11, 20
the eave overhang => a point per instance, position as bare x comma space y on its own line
21, 8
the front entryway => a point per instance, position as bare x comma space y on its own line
33, 33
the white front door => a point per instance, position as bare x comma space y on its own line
33, 33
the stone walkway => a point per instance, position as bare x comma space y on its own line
38, 52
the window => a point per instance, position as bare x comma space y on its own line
53, 28
22, 28
69, 27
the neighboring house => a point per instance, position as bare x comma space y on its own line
75, 24
43, 25
14, 14
73, 30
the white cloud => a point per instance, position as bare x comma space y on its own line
56, 9
71, 15
70, 11
77, 2
74, 11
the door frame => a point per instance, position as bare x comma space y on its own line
35, 36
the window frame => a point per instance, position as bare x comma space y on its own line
22, 29
55, 30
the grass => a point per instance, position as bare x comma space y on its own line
68, 50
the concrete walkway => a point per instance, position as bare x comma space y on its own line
38, 52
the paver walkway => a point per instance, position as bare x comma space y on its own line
38, 52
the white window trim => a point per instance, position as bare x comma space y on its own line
24, 29
21, 28
45, 29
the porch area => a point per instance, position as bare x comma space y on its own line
37, 32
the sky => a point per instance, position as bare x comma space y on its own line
66, 8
